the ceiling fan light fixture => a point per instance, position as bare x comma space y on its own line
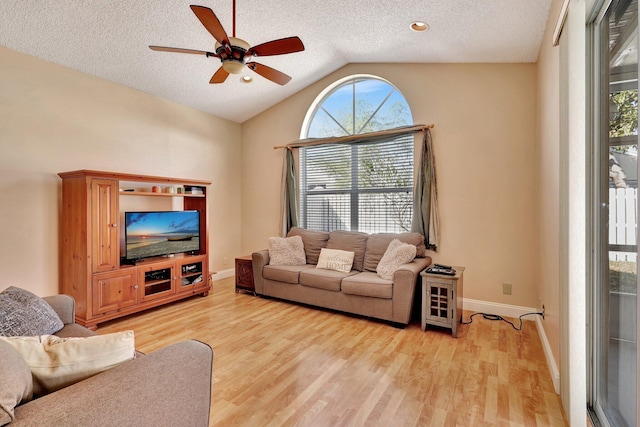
246, 79
234, 60
233, 67
419, 26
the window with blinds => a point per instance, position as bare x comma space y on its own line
359, 186
362, 187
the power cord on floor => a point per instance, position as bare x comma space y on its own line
490, 316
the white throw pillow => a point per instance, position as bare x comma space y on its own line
335, 259
58, 362
286, 251
397, 254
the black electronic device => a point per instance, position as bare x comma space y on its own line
448, 267
434, 269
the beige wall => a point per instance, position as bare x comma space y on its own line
487, 164
549, 175
54, 119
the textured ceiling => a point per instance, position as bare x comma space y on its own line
109, 39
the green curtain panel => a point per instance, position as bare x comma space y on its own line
289, 193
425, 202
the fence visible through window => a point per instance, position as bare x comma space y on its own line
623, 223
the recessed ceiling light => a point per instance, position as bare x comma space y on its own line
419, 26
246, 79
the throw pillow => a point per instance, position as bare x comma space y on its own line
377, 244
397, 253
286, 251
335, 259
16, 385
59, 362
25, 314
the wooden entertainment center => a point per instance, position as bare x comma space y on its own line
92, 269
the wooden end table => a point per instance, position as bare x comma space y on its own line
442, 300
244, 274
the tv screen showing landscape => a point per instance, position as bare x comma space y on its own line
149, 234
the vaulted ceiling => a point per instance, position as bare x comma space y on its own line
110, 39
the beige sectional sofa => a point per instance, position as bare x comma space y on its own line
169, 387
361, 291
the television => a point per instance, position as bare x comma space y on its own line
153, 234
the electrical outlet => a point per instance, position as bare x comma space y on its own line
506, 288
543, 311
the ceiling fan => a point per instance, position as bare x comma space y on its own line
236, 53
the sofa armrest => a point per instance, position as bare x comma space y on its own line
259, 260
171, 386
405, 280
64, 306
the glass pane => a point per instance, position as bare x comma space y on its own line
618, 340
323, 126
395, 112
328, 212
339, 105
386, 212
386, 165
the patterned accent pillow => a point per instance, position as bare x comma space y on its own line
25, 314
286, 251
397, 254
335, 259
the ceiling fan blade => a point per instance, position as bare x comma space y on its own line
180, 50
269, 73
277, 47
211, 23
220, 76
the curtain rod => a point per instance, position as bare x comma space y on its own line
338, 139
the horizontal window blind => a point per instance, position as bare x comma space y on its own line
362, 187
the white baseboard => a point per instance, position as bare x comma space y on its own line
551, 361
223, 274
497, 308
515, 311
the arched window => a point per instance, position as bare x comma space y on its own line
361, 186
356, 105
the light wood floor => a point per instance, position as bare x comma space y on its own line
282, 364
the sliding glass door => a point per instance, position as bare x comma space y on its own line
614, 314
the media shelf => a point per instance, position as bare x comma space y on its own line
191, 273
157, 281
90, 260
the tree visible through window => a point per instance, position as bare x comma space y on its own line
363, 186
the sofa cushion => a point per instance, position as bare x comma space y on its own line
313, 242
16, 384
284, 273
286, 251
23, 313
397, 254
323, 279
377, 245
335, 259
367, 284
351, 241
58, 362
